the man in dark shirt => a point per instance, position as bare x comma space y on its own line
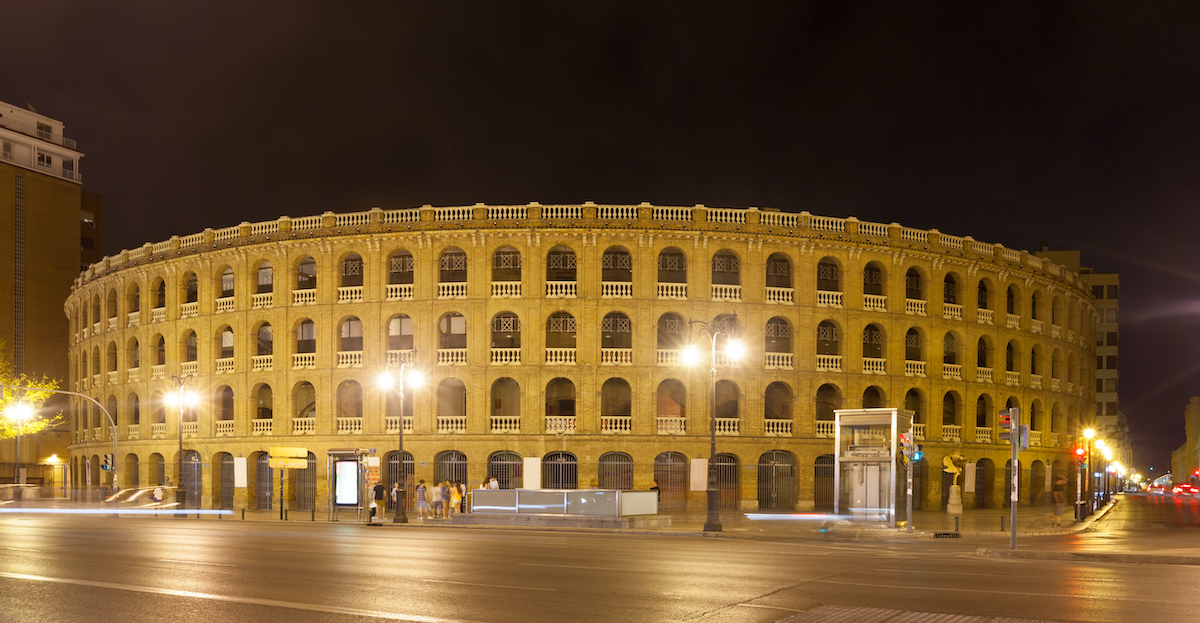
380, 492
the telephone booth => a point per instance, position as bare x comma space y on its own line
870, 479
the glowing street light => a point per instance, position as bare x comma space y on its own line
183, 398
398, 380
18, 413
691, 356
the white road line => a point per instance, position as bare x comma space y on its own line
274, 603
534, 564
19, 549
524, 588
770, 607
196, 562
1153, 600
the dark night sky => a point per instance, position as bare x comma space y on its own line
1076, 124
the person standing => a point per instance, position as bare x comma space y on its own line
422, 502
435, 496
493, 483
380, 495
1060, 501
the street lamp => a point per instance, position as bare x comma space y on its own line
692, 357
387, 380
184, 397
18, 413
1087, 468
1107, 469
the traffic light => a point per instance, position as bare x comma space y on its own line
918, 452
906, 445
1080, 457
1007, 425
108, 463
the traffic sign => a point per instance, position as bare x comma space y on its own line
288, 463
283, 452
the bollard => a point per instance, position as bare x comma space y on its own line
956, 518
314, 514
285, 514
243, 514
1002, 523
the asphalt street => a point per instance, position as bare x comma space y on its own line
60, 568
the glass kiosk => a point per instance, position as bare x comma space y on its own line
870, 480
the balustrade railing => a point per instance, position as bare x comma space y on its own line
952, 371
448, 424
729, 426
133, 318
224, 365
189, 310
506, 289
560, 356
399, 291
262, 300
304, 297
391, 424
1035, 381
914, 307
158, 430
224, 428
777, 428
506, 356
725, 293
983, 435
829, 363
223, 304
158, 372
158, 314
672, 291
350, 294
616, 424
397, 357
96, 328
1054, 384
262, 362
452, 357
133, 375
1035, 326
560, 424
1035, 437
261, 427
826, 428
350, 359
616, 356
616, 290
349, 426
669, 357
191, 429
133, 431
506, 423
826, 298
671, 425
189, 367
1054, 440
777, 361
918, 431
1012, 321
874, 302
112, 377
952, 432
1055, 330
560, 289
780, 296
1012, 378
304, 361
914, 368
983, 316
950, 311
874, 365
95, 380
983, 375
304, 426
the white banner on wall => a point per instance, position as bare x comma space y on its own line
532, 472
969, 478
239, 471
699, 476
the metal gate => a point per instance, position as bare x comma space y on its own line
507, 468
158, 469
560, 470
306, 485
919, 472
670, 473
392, 476
226, 480
729, 480
776, 481
451, 465
191, 479
823, 482
262, 481
616, 471
132, 473
1037, 484
984, 475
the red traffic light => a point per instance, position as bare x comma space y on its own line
1079, 451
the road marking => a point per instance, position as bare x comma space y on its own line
770, 607
534, 564
526, 588
980, 590
274, 603
196, 562
19, 549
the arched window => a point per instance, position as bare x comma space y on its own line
349, 400
981, 354
950, 411
616, 266
949, 350
777, 338
1035, 303
506, 330
671, 400
560, 398
873, 279
304, 397
913, 286
1034, 355
726, 268
912, 402
225, 398
452, 331
1010, 358
507, 468
872, 398
671, 476
351, 335
400, 333
400, 268
560, 470
728, 398
1011, 300
776, 481
191, 288
827, 339
982, 298
672, 268
190, 348
506, 404
982, 411
506, 268
160, 352
615, 471
777, 402
264, 403
828, 277
616, 400
451, 398
672, 333
560, 331
872, 342
266, 340
160, 294
135, 354
912, 346
306, 337
352, 271
226, 351
135, 299
135, 409
306, 274
616, 332
227, 282
112, 357
450, 465
560, 267
779, 271
266, 279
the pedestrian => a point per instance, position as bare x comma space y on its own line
380, 493
422, 503
156, 496
395, 493
456, 496
448, 491
1060, 501
493, 483
435, 496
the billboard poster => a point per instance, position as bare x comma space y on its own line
345, 483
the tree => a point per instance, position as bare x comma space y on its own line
33, 398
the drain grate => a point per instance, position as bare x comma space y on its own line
947, 535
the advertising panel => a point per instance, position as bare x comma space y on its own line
345, 483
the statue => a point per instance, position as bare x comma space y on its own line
952, 466
951, 462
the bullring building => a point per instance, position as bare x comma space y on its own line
556, 331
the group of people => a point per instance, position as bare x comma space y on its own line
441, 500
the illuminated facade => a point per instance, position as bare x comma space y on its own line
555, 331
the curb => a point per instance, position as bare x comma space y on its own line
1150, 559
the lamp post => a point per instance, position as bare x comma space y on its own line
733, 347
18, 413
1107, 468
386, 380
185, 398
1087, 469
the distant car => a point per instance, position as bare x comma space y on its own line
1156, 490
1185, 489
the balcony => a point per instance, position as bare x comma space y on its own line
112, 377
349, 426
726, 293
350, 359
224, 428
158, 372
950, 311
1054, 384
158, 314
133, 319
452, 357
304, 426
399, 292
560, 425
780, 296
983, 375
1035, 327
158, 431
304, 361
914, 307
874, 365
397, 357
1012, 321
506, 289
350, 294
189, 368
918, 431
97, 434
829, 363
224, 304
875, 302
133, 431
224, 365
777, 361
448, 424
616, 290
189, 310
616, 356
262, 362
262, 300
669, 357
503, 424
671, 425
560, 289
616, 424
304, 297
1035, 437
96, 327
983, 316
729, 426
392, 424
261, 427
452, 290
1035, 381
1054, 440
777, 428
914, 368
826, 298
1070, 335
191, 429
560, 356
1055, 331
1012, 379
672, 291
506, 356
950, 432
983, 435
826, 428
952, 371
95, 380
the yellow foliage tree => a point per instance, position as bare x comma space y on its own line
34, 398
